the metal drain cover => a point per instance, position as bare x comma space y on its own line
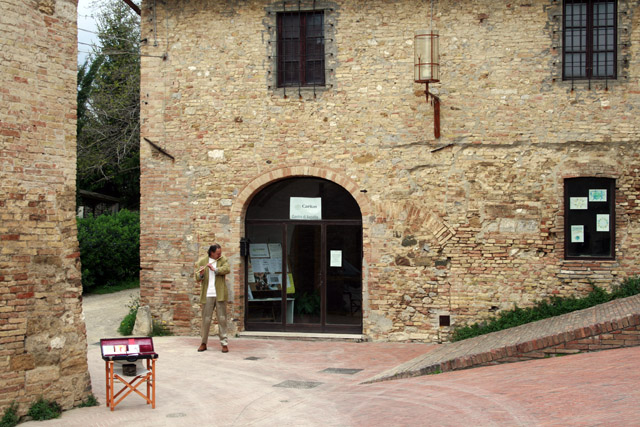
344, 371
177, 415
298, 384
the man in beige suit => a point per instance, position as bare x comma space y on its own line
210, 273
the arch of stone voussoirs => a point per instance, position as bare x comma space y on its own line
241, 204
252, 188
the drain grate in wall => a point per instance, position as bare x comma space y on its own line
252, 358
343, 371
298, 384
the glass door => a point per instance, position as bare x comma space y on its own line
304, 266
304, 256
344, 274
265, 276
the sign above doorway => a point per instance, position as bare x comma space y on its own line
309, 208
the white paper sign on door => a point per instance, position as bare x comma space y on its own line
335, 259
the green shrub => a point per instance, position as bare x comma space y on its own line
628, 288
109, 248
545, 309
129, 321
160, 330
10, 417
126, 326
43, 409
122, 286
91, 401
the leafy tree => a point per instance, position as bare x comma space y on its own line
108, 131
109, 249
86, 76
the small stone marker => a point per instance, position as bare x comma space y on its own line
144, 324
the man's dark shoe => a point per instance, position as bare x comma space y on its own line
225, 349
202, 347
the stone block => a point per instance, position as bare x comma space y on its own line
43, 374
22, 362
144, 323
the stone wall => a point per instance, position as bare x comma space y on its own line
43, 344
462, 226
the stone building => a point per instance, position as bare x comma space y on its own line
297, 126
43, 347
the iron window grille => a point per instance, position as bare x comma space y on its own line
300, 49
589, 49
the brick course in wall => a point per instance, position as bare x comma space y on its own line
43, 347
464, 226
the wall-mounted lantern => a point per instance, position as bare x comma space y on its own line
426, 65
426, 68
244, 247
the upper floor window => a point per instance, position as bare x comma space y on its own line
590, 33
301, 49
589, 218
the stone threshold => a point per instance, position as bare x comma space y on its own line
302, 336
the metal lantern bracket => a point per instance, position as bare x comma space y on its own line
427, 69
435, 102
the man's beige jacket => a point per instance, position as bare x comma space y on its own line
222, 268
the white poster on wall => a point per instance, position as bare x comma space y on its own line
309, 208
602, 222
261, 265
578, 203
275, 250
597, 195
275, 264
577, 234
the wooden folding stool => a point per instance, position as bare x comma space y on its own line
129, 350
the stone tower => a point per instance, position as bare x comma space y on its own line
43, 343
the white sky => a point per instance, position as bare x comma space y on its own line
85, 22
86, 10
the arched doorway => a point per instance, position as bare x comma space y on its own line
304, 264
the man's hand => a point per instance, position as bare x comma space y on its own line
211, 268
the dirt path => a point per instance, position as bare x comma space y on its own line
103, 313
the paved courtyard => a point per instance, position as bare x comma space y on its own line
263, 382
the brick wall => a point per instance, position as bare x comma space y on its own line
465, 225
42, 333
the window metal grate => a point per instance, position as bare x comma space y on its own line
300, 49
589, 39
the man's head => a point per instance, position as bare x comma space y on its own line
215, 251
